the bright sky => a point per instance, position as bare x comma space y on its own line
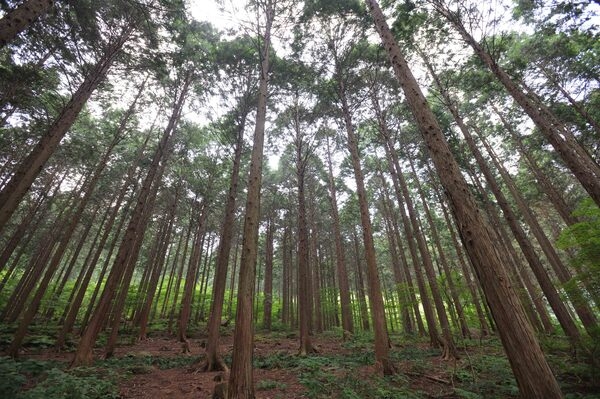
209, 10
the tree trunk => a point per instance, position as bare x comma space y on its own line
575, 157
156, 271
360, 285
135, 228
534, 376
18, 19
449, 349
374, 285
213, 358
442, 257
241, 378
305, 309
394, 167
268, 288
347, 322
538, 269
399, 277
26, 172
185, 310
564, 275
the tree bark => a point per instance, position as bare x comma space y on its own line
18, 19
241, 378
347, 322
26, 172
534, 376
213, 358
135, 228
576, 158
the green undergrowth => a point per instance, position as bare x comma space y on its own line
35, 379
482, 371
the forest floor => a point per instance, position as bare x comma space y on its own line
156, 368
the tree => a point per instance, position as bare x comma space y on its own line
19, 18
577, 159
534, 376
241, 379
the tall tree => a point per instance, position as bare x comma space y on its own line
534, 376
19, 18
241, 378
576, 158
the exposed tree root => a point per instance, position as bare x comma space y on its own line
211, 363
185, 346
307, 351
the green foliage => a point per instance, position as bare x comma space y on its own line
48, 381
265, 385
584, 237
77, 384
132, 363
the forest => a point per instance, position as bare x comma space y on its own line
299, 199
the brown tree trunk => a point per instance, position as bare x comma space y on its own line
534, 261
241, 378
213, 358
442, 256
449, 348
347, 322
520, 275
185, 310
268, 288
564, 275
534, 376
394, 166
564, 210
156, 270
375, 296
360, 285
399, 277
18, 19
305, 308
575, 157
285, 265
135, 228
485, 329
26, 172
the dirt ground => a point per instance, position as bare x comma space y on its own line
279, 383
185, 383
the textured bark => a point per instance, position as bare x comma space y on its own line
399, 277
485, 330
19, 18
213, 358
394, 166
442, 256
26, 172
360, 285
127, 253
449, 348
285, 284
534, 376
241, 378
159, 264
24, 224
305, 308
564, 275
575, 157
185, 310
373, 282
347, 322
559, 308
268, 287
564, 210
